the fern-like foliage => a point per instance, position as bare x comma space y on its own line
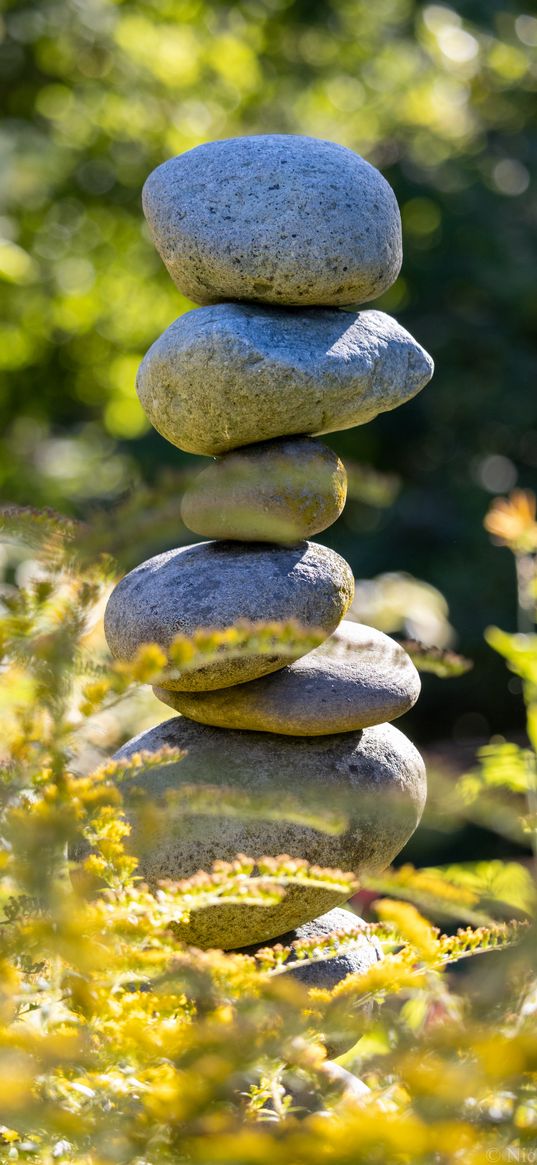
461, 891
122, 1044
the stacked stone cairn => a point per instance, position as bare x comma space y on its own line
274, 235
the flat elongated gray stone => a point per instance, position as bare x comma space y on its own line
278, 491
233, 374
363, 953
356, 678
218, 584
276, 218
376, 778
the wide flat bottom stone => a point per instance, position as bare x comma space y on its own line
364, 953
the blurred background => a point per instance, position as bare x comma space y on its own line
441, 98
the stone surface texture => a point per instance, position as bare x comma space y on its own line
274, 218
235, 374
276, 491
376, 778
364, 953
216, 585
356, 678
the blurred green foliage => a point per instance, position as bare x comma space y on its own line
441, 97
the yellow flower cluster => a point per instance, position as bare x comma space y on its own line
122, 1044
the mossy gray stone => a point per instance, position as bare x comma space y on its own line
234, 374
277, 491
376, 778
275, 218
356, 678
360, 953
219, 584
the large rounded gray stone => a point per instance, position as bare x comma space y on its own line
217, 585
376, 778
274, 219
230, 375
278, 491
356, 678
331, 969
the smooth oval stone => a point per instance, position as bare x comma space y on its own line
364, 953
356, 678
217, 585
376, 778
277, 491
231, 375
276, 218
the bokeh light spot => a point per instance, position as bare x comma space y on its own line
510, 177
526, 29
496, 473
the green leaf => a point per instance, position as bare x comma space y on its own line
520, 651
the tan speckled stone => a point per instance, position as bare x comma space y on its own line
218, 584
277, 491
274, 218
356, 678
376, 778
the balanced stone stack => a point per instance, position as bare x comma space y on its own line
274, 235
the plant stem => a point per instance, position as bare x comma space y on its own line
525, 576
